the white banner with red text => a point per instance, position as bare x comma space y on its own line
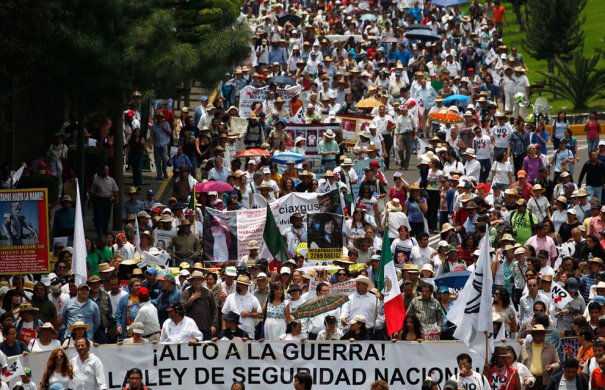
272, 365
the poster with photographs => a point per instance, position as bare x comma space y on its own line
325, 239
24, 236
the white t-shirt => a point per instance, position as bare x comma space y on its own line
502, 135
472, 382
482, 146
501, 172
421, 256
539, 207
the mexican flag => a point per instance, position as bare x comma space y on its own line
394, 309
274, 242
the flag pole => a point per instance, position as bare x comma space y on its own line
487, 348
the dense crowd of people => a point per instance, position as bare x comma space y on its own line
489, 172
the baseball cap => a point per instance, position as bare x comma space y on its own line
231, 271
143, 292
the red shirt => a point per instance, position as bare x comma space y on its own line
502, 380
499, 14
597, 380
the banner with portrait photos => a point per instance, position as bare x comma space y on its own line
24, 236
313, 134
325, 236
250, 95
352, 125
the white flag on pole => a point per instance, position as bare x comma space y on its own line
472, 312
78, 263
17, 175
491, 56
13, 370
299, 117
422, 146
137, 237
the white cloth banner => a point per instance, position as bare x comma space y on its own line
272, 365
249, 95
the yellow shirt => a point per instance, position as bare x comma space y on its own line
535, 366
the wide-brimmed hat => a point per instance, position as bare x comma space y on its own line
394, 205
414, 186
329, 134
242, 279
197, 275
49, 326
105, 267
27, 307
446, 227
78, 324
539, 328
132, 190
365, 280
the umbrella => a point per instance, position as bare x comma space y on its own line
320, 305
454, 279
218, 186
368, 17
448, 3
422, 35
288, 158
369, 103
419, 27
283, 80
445, 116
389, 40
451, 98
294, 19
252, 153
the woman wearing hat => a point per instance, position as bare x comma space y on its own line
46, 340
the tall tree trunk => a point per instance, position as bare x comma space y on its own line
187, 92
118, 160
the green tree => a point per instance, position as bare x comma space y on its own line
579, 81
554, 28
213, 29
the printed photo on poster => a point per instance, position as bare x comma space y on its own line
312, 138
324, 232
220, 241
20, 223
401, 255
24, 235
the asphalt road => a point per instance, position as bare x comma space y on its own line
412, 175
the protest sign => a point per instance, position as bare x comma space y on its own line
559, 296
227, 233
162, 238
272, 365
250, 95
24, 237
324, 231
352, 125
358, 167
313, 134
401, 254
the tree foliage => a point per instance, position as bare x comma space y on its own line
554, 28
579, 81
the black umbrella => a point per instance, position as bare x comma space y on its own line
283, 80
419, 27
294, 19
422, 35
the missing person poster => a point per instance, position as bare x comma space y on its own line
324, 232
24, 236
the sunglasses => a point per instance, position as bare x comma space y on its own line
59, 357
342, 274
532, 285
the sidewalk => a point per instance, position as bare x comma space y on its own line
161, 188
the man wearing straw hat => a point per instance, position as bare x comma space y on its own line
363, 302
540, 357
200, 306
246, 305
328, 149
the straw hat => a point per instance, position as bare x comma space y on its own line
539, 328
78, 324
243, 279
446, 228
394, 205
365, 280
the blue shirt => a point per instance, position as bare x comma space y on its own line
161, 134
88, 312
